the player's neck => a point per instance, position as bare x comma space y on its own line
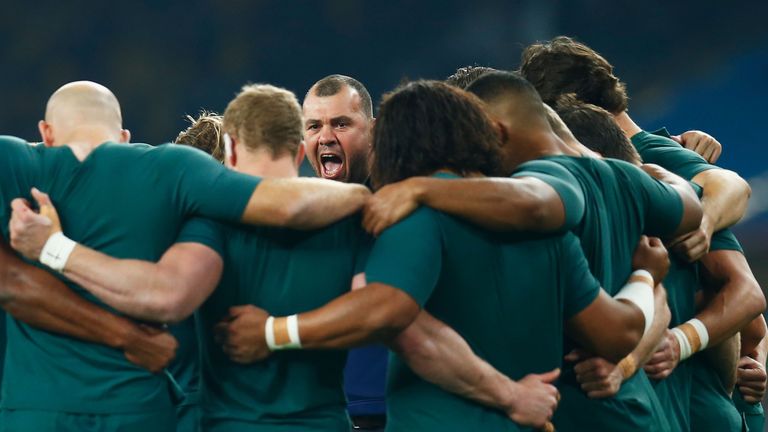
264, 165
626, 124
83, 142
546, 143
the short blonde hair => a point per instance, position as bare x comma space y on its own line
262, 115
204, 133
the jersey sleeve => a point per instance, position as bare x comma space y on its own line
725, 240
656, 148
661, 203
581, 287
203, 231
18, 168
206, 188
563, 182
408, 256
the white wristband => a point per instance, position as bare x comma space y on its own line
701, 329
682, 341
293, 331
290, 333
640, 292
269, 333
692, 336
57, 250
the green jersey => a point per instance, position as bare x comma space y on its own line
657, 148
621, 202
128, 201
492, 289
283, 272
712, 408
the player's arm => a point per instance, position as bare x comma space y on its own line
166, 291
600, 378
736, 298
691, 206
37, 298
438, 354
303, 203
611, 328
751, 376
753, 335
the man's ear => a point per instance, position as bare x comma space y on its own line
501, 130
125, 136
230, 154
46, 133
300, 153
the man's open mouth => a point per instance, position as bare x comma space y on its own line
331, 166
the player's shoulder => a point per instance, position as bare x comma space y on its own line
560, 166
658, 138
18, 151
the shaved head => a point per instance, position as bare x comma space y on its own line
512, 99
83, 103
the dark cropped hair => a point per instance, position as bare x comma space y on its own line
595, 128
464, 76
564, 65
426, 126
332, 85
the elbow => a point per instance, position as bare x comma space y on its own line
165, 309
623, 344
387, 323
756, 298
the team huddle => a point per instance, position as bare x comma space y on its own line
505, 250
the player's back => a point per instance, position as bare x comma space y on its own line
508, 297
284, 272
126, 200
621, 204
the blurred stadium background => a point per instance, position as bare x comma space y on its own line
688, 64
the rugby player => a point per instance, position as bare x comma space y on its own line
129, 200
434, 280
734, 295
204, 133
533, 201
263, 114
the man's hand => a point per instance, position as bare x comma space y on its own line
598, 377
389, 205
702, 143
151, 348
651, 255
241, 334
30, 230
665, 359
751, 379
695, 244
535, 400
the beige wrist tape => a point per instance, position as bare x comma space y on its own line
282, 333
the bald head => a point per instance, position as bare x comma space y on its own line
512, 99
83, 103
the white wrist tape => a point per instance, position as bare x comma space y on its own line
639, 290
57, 250
282, 333
692, 337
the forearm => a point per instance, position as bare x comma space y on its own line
441, 356
376, 313
753, 336
500, 204
303, 203
35, 297
728, 311
724, 199
130, 286
650, 340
